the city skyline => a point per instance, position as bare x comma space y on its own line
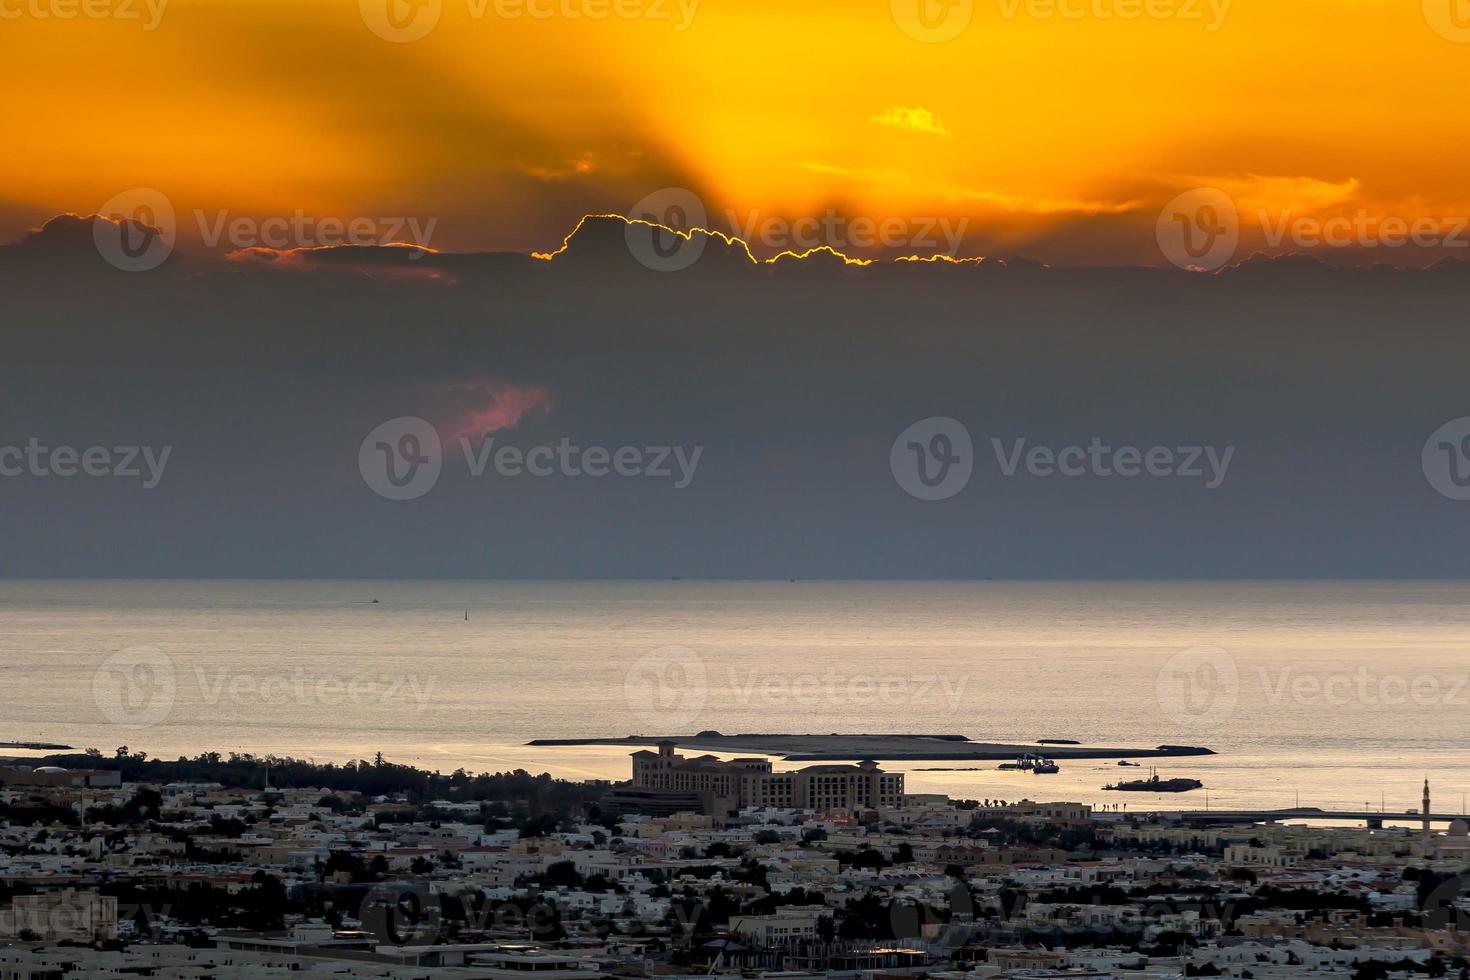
734, 489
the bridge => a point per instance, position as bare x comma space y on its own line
1373, 818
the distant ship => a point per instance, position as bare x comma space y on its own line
1033, 764
1153, 784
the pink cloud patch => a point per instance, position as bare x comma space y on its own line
490, 406
388, 262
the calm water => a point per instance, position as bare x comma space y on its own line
1336, 694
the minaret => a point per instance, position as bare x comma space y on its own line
1428, 838
267, 794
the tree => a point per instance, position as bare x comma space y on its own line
562, 874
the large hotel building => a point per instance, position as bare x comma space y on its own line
666, 782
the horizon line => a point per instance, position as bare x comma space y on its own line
416, 251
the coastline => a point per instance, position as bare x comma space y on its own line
887, 747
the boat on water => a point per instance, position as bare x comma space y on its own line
1034, 764
1153, 784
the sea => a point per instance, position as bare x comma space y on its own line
1338, 695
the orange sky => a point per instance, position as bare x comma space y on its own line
1055, 127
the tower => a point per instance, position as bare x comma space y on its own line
1427, 836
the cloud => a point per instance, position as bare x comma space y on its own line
388, 253
1021, 203
71, 233
582, 166
63, 231
853, 173
602, 239
822, 253
393, 260
1277, 193
997, 200
916, 119
484, 407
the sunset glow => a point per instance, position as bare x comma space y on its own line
1056, 129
